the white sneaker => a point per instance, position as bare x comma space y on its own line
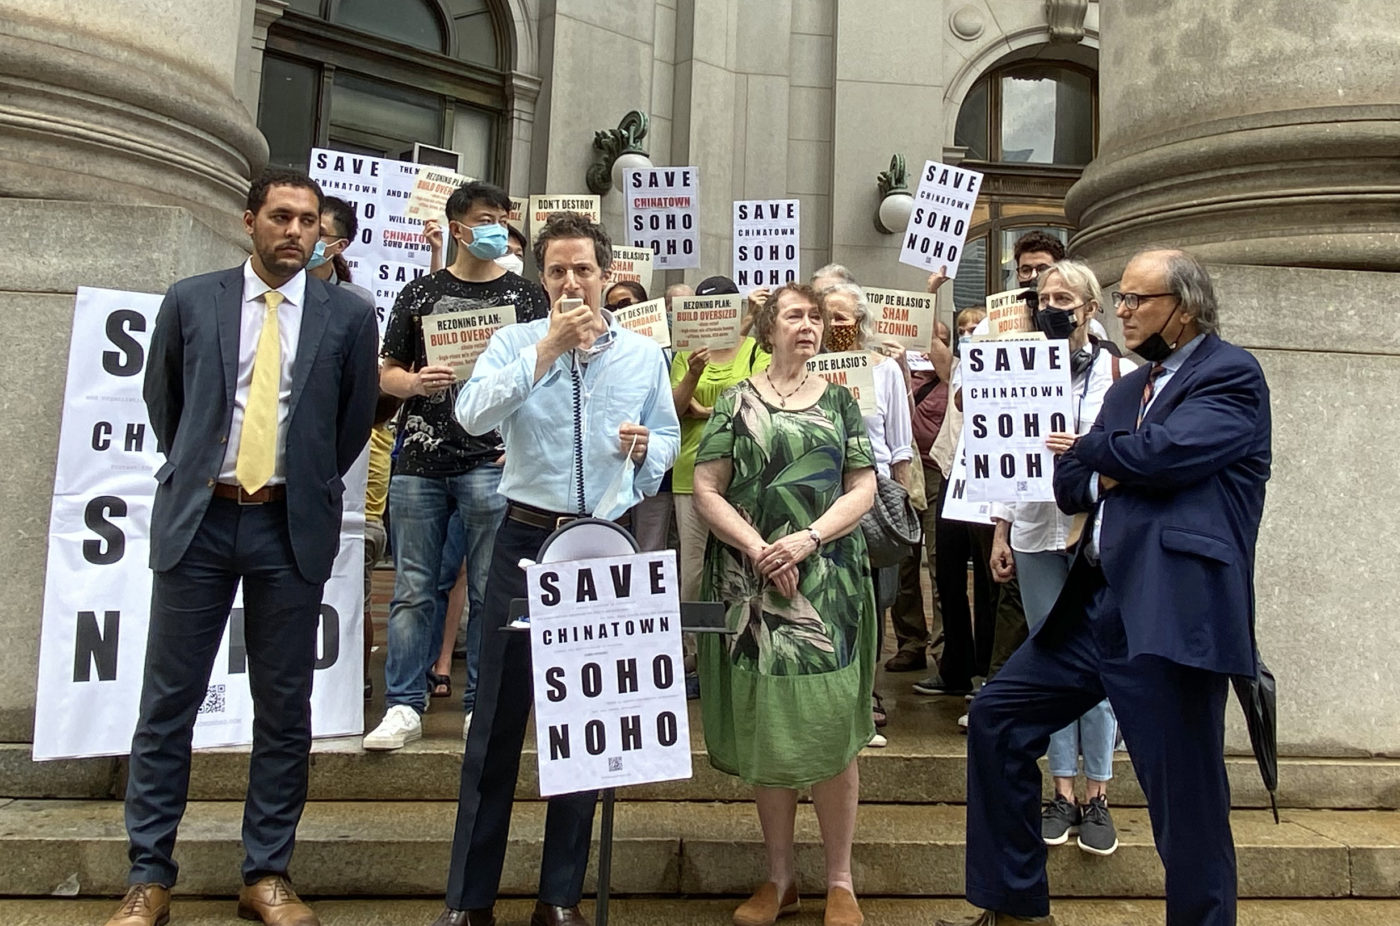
466, 725
401, 724
962, 723
878, 741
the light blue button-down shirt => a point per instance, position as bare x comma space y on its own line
628, 382
1170, 366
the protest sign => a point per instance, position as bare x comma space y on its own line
389, 249
902, 315
1014, 394
518, 208
941, 217
632, 264
663, 213
542, 207
1009, 314
707, 321
854, 369
457, 339
647, 319
766, 249
956, 505
97, 589
605, 645
432, 187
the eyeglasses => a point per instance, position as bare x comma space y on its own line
1133, 300
1026, 271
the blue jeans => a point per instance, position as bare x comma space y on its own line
454, 555
1042, 576
419, 511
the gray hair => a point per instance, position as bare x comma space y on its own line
834, 270
1188, 280
865, 317
1077, 276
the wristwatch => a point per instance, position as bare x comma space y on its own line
815, 537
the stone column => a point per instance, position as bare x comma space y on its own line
124, 163
1267, 145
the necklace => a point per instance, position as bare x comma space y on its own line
782, 399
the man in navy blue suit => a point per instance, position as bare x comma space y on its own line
1157, 613
261, 385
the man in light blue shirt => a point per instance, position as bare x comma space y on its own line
584, 408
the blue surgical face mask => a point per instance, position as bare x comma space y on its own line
489, 241
318, 255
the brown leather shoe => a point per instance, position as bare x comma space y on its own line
549, 915
842, 909
143, 905
764, 907
992, 918
273, 901
483, 917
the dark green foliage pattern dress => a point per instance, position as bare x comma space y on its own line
786, 701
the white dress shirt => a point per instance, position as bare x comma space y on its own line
890, 427
250, 325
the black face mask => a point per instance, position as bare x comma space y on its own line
1154, 348
1057, 324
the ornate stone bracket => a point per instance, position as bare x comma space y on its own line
1065, 20
611, 144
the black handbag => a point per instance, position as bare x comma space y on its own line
891, 527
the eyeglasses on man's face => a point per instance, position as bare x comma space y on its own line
1133, 300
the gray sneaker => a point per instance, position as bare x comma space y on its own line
1096, 831
1058, 821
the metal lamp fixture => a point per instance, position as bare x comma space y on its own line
896, 202
616, 150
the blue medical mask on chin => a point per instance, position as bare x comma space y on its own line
318, 256
489, 241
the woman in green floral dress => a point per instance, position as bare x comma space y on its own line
783, 474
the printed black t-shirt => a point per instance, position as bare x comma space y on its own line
434, 444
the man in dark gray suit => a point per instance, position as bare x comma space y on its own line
261, 384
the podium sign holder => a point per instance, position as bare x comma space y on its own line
587, 538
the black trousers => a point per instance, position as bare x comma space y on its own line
965, 653
189, 607
491, 762
1173, 720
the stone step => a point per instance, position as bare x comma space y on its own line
666, 912
925, 762
401, 849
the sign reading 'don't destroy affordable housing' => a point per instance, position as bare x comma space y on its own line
663, 213
647, 319
542, 207
942, 214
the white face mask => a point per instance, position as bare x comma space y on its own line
512, 263
617, 497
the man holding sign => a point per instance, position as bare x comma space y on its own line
440, 466
585, 408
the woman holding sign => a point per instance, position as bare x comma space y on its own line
1030, 542
783, 473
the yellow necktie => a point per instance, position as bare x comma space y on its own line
257, 448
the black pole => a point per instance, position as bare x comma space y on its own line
605, 840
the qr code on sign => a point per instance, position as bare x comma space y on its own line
213, 700
1022, 487
615, 763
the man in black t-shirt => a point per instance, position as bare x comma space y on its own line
440, 467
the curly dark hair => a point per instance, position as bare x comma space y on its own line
281, 176
1038, 241
564, 225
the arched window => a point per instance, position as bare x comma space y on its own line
1030, 127
376, 77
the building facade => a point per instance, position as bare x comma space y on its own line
1265, 143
